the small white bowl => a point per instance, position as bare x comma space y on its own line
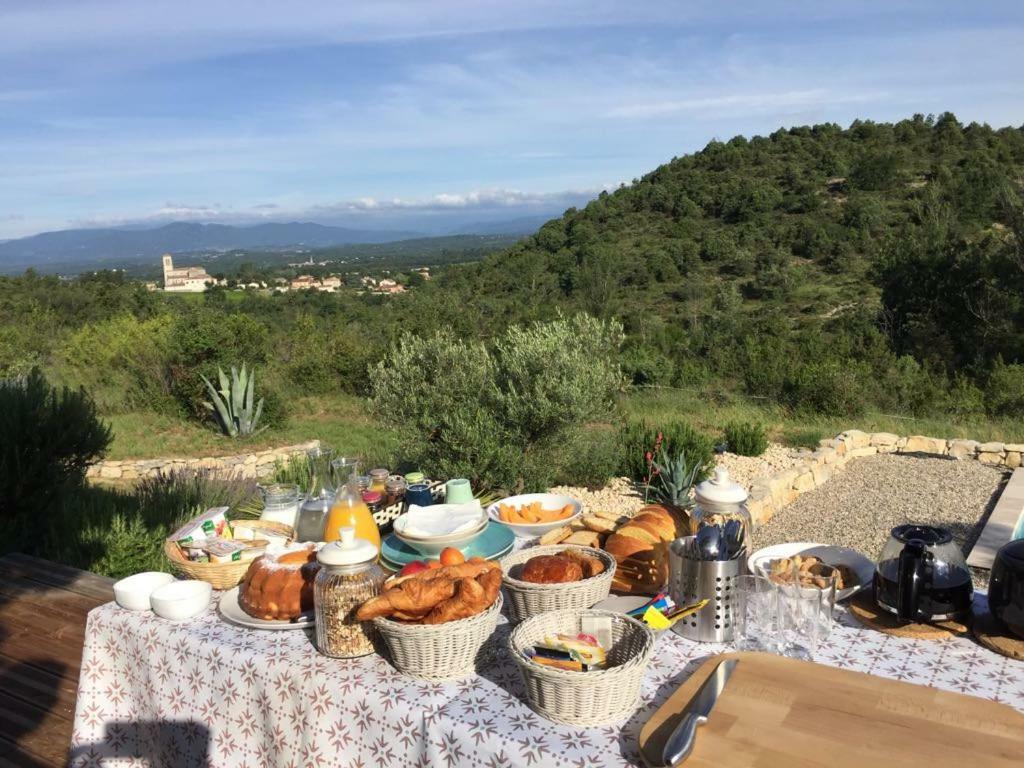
432, 546
181, 600
133, 592
547, 501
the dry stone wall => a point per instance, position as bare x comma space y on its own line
770, 493
255, 464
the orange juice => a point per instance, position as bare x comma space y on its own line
350, 509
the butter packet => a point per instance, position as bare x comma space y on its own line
222, 551
211, 524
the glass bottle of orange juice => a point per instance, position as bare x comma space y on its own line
350, 509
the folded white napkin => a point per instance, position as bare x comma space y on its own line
442, 519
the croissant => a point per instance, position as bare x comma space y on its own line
470, 599
414, 596
460, 571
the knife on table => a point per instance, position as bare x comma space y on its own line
681, 740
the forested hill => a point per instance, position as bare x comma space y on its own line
816, 266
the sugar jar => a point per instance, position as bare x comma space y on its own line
721, 502
281, 503
349, 576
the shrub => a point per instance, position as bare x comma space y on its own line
592, 459
118, 532
500, 416
826, 387
746, 438
48, 438
1004, 394
636, 439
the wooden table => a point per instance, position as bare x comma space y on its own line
43, 607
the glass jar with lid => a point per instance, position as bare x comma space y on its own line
719, 500
349, 576
394, 492
281, 503
378, 479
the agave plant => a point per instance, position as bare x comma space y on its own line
671, 479
233, 403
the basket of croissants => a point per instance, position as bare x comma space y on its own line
434, 623
556, 578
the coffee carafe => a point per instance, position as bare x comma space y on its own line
922, 576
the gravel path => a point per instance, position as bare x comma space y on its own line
743, 469
862, 503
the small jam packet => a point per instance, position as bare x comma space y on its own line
655, 619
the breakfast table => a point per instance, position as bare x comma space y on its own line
208, 692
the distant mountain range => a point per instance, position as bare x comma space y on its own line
74, 250
112, 247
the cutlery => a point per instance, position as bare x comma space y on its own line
733, 535
680, 742
709, 541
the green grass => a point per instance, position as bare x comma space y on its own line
711, 410
341, 421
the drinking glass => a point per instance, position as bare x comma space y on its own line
755, 614
322, 479
800, 620
342, 469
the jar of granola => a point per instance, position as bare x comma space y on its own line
349, 576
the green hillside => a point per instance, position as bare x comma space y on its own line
824, 268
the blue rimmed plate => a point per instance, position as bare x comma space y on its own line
495, 541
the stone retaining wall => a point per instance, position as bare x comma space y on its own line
255, 464
770, 493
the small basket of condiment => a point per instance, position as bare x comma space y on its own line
207, 549
435, 622
582, 668
555, 578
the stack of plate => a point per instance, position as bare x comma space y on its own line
495, 541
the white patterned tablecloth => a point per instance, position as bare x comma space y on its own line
206, 692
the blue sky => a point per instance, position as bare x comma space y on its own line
381, 113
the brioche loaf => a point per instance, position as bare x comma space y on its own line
640, 549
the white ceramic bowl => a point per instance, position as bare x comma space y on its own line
181, 600
133, 592
433, 545
547, 501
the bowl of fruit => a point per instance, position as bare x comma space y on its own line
534, 514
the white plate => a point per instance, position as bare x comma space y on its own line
864, 568
232, 611
622, 603
547, 501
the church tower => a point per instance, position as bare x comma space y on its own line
168, 266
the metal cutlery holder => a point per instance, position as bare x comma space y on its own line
693, 580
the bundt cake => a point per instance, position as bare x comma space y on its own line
280, 586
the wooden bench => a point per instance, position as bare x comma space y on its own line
43, 607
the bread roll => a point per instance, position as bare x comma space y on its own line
620, 547
551, 569
663, 524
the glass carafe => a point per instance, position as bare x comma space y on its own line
349, 509
922, 576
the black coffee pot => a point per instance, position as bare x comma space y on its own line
922, 576
1006, 587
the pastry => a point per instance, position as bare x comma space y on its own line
599, 524
584, 539
590, 565
640, 549
437, 596
280, 586
811, 571
556, 536
551, 569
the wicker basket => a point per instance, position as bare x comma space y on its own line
584, 698
526, 599
220, 575
438, 651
